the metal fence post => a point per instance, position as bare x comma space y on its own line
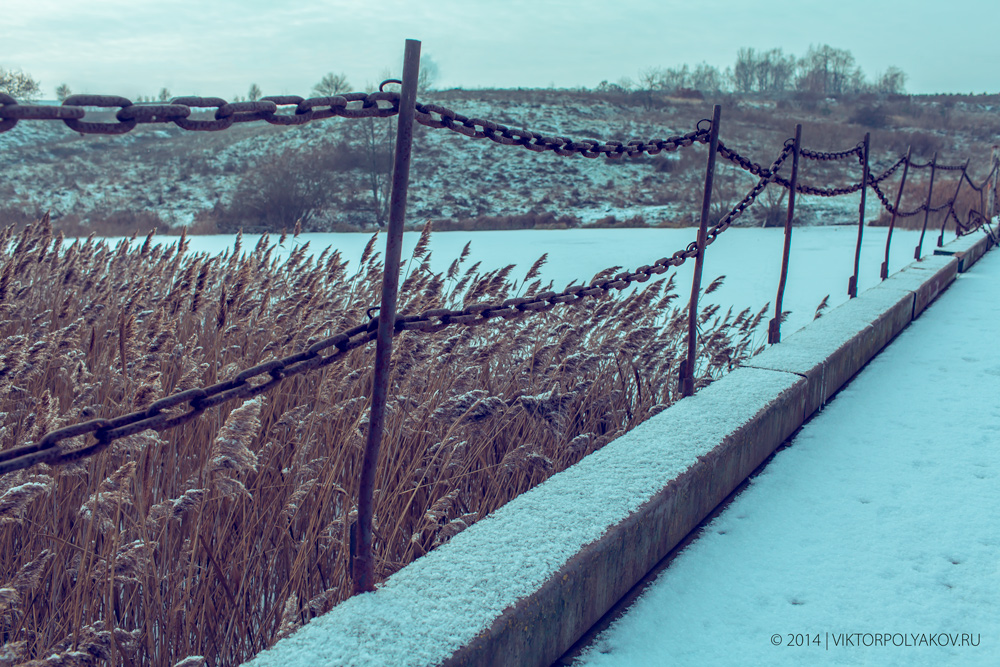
927, 209
687, 366
951, 207
895, 210
774, 326
992, 198
364, 565
852, 284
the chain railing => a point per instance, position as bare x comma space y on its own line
62, 445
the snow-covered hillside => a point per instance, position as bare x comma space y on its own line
170, 177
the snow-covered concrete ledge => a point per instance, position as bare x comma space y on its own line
522, 585
966, 249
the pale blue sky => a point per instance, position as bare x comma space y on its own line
206, 47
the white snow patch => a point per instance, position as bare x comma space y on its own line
882, 517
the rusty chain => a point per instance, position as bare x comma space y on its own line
889, 171
161, 415
478, 128
887, 205
766, 176
986, 181
923, 207
858, 150
758, 170
157, 417
348, 105
49, 450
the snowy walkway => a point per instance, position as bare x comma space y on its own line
873, 539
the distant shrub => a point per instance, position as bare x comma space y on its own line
530, 220
870, 116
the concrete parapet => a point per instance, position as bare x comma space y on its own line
966, 249
829, 351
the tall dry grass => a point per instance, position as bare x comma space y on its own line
206, 543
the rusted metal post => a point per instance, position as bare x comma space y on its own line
687, 366
992, 197
892, 222
852, 284
951, 207
927, 209
774, 326
364, 562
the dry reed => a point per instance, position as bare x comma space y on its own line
204, 544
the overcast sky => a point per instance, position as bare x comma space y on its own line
220, 47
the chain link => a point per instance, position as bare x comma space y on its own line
435, 116
178, 111
858, 150
349, 105
766, 176
986, 181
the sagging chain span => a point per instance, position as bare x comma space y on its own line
270, 373
348, 105
161, 415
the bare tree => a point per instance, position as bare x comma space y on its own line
829, 71
428, 76
675, 78
762, 71
62, 92
332, 84
774, 71
378, 140
254, 93
706, 78
892, 81
164, 95
650, 80
744, 74
19, 85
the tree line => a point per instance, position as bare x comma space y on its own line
824, 70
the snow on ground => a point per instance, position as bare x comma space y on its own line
872, 539
822, 258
